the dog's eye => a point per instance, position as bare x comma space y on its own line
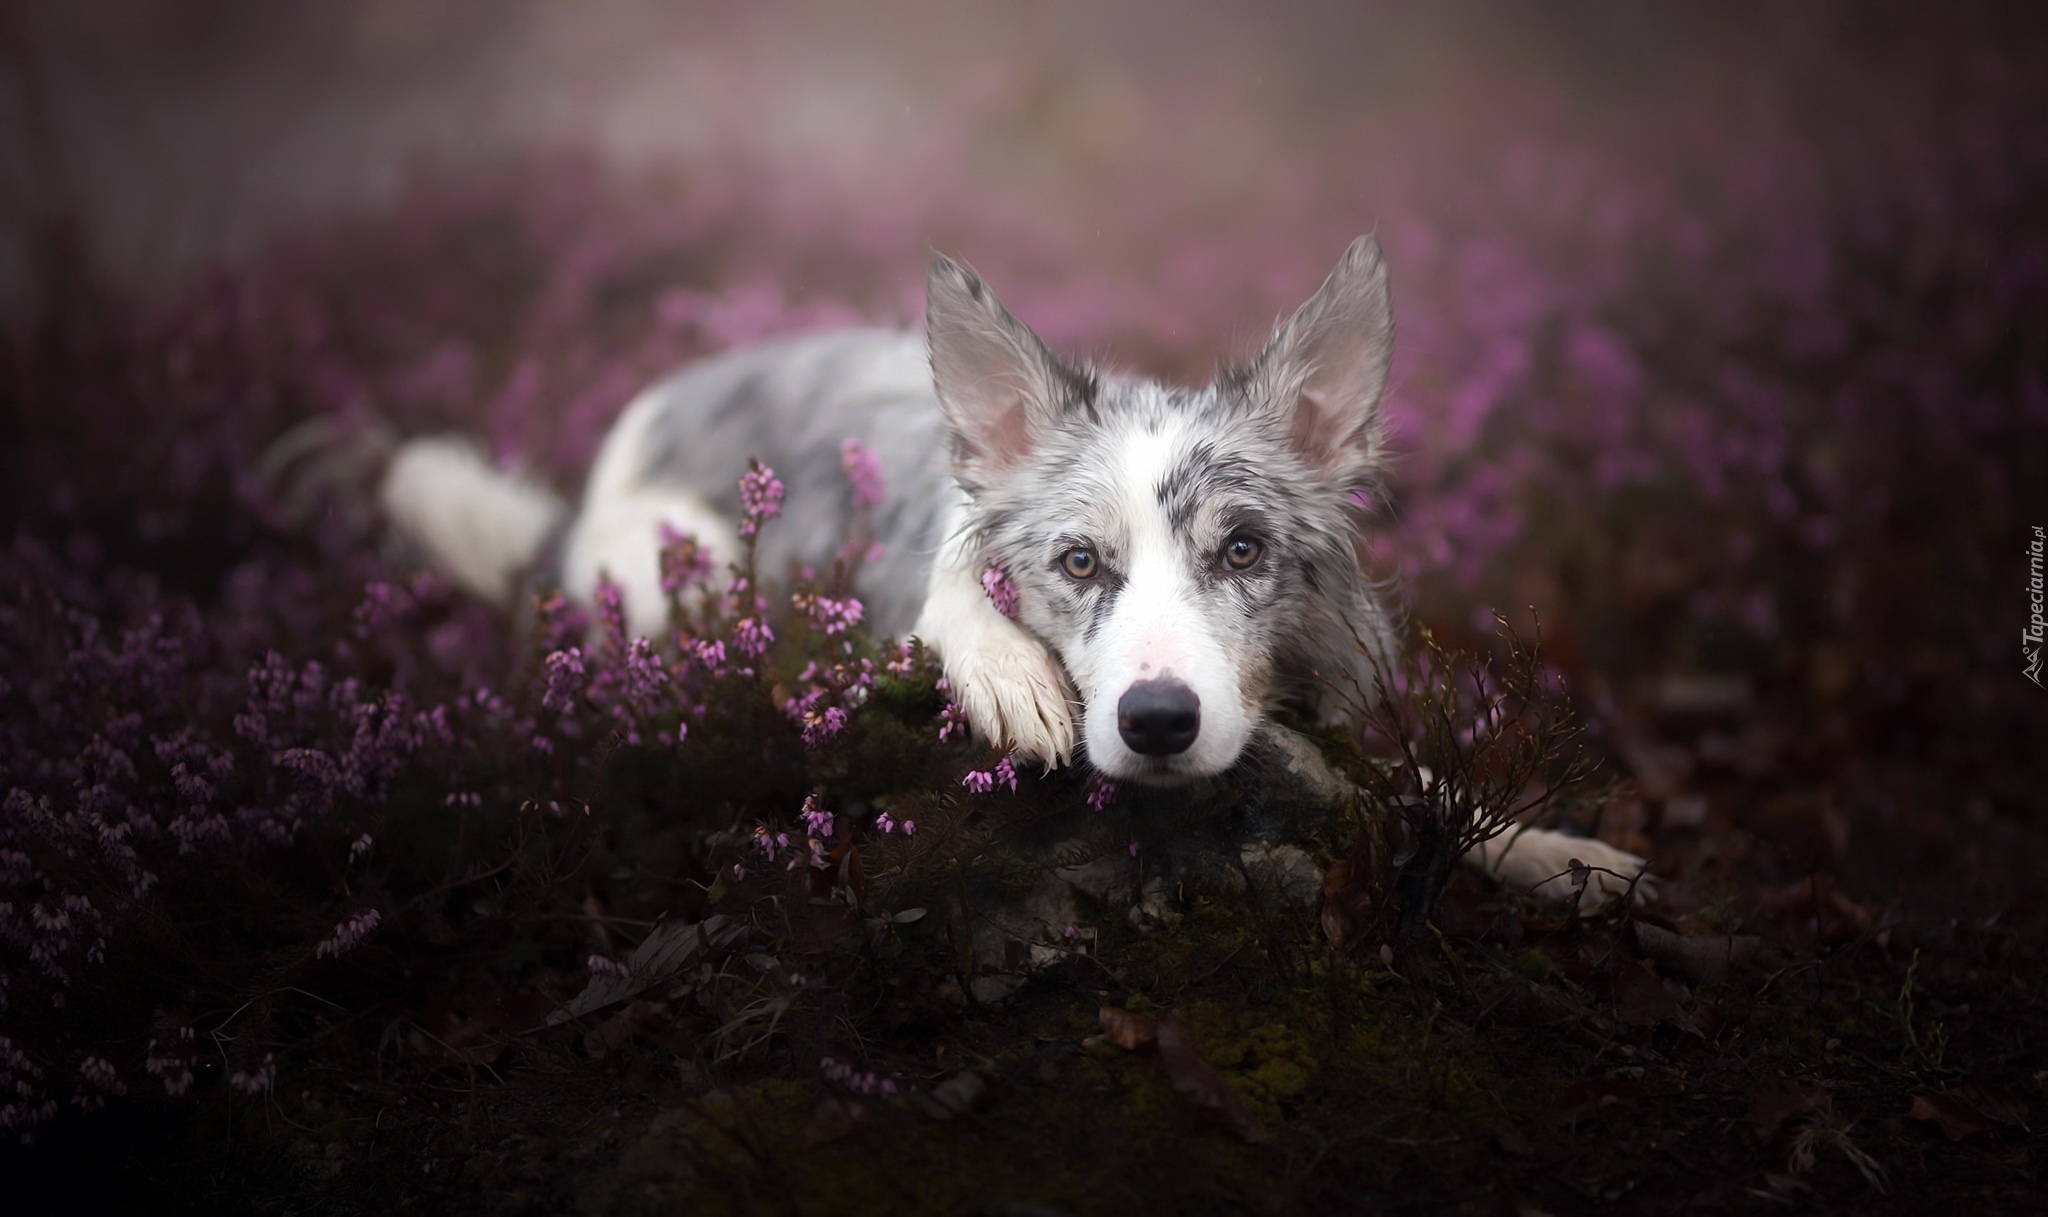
1080, 563
1242, 552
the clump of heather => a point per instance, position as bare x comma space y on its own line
1457, 749
163, 767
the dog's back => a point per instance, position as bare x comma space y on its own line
674, 457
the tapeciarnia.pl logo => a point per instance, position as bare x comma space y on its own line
2037, 625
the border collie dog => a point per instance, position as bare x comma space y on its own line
1174, 563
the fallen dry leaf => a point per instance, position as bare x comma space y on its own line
1971, 1109
833, 1118
613, 1032
1198, 1081
671, 948
1595, 1099
474, 1031
1814, 909
954, 1097
1956, 1118
1480, 913
1703, 959
1338, 924
1511, 1140
1640, 998
1780, 1100
1127, 1030
1993, 1102
852, 872
825, 922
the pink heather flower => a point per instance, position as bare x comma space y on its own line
1134, 848
752, 636
382, 607
905, 660
951, 719
863, 471
770, 843
1001, 592
172, 1063
829, 615
566, 680
822, 725
1101, 793
981, 781
760, 497
739, 872
710, 653
910, 828
348, 935
100, 1072
258, 1080
855, 1080
639, 684
611, 611
884, 823
683, 560
174, 1070
360, 847
803, 708
817, 820
605, 965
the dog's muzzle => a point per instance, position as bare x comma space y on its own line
1159, 717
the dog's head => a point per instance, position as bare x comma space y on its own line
1189, 554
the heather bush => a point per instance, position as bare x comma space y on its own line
1453, 751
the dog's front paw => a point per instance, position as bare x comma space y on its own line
1014, 693
1539, 862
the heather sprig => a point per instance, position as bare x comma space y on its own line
1462, 750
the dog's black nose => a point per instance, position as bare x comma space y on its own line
1159, 717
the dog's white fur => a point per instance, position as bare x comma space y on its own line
473, 521
1039, 455
1006, 682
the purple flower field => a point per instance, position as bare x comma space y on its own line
1731, 371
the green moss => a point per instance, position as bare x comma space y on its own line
1531, 963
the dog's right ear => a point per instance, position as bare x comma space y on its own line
1001, 390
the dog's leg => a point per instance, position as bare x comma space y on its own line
1009, 685
618, 535
1538, 861
476, 523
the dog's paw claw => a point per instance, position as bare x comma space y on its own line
1014, 693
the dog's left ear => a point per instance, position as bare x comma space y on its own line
1325, 369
